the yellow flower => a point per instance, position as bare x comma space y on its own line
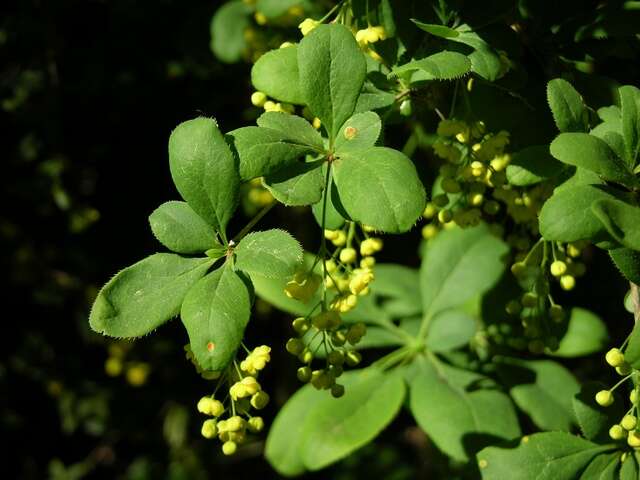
370, 35
244, 388
256, 360
360, 280
370, 246
307, 25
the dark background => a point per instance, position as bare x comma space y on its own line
90, 92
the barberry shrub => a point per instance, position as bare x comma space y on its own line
513, 198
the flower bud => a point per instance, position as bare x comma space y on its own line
614, 357
604, 398
348, 255
229, 447
255, 424
209, 429
629, 422
616, 432
259, 400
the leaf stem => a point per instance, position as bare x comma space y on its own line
247, 228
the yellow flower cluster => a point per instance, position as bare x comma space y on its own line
307, 25
256, 360
256, 195
628, 428
370, 35
244, 394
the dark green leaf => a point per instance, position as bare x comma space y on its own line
336, 427
630, 102
439, 66
227, 30
276, 74
332, 71
541, 456
293, 128
297, 185
457, 420
567, 215
459, 265
567, 106
594, 420
543, 389
358, 133
586, 151
450, 329
586, 334
632, 352
271, 254
532, 165
287, 431
264, 151
399, 287
628, 262
380, 187
215, 313
145, 295
204, 171
437, 30
180, 229
334, 214
621, 220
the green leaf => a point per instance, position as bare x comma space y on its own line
532, 165
287, 431
632, 352
297, 185
437, 30
611, 137
621, 220
264, 151
439, 66
145, 295
567, 217
460, 264
215, 313
271, 254
358, 133
449, 330
378, 337
180, 229
628, 262
332, 71
630, 102
629, 469
594, 420
276, 74
271, 290
567, 106
227, 31
399, 288
334, 214
485, 61
543, 389
586, 151
380, 187
586, 334
459, 421
336, 427
294, 129
541, 456
602, 467
204, 171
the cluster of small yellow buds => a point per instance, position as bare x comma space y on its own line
628, 427
136, 373
325, 333
370, 35
260, 100
307, 25
244, 394
256, 360
343, 272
